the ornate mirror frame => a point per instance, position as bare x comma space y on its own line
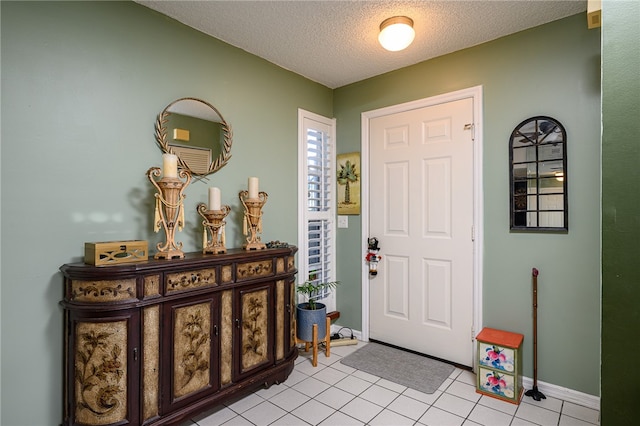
195, 108
538, 176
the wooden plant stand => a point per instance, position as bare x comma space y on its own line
315, 342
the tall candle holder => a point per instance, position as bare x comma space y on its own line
252, 223
214, 227
169, 211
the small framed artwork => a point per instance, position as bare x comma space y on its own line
348, 177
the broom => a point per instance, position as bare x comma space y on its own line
535, 393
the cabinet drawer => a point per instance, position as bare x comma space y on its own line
284, 264
497, 383
187, 280
101, 291
496, 357
252, 270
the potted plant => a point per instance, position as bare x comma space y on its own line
312, 312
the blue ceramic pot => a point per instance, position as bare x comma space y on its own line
306, 317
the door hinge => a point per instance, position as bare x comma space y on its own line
472, 127
473, 233
473, 334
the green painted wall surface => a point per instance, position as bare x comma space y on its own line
549, 70
620, 211
82, 83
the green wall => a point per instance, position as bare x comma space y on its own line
549, 70
620, 211
82, 83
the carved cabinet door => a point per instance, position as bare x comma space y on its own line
284, 311
191, 329
102, 376
291, 310
254, 328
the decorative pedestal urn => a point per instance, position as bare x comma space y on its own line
169, 212
252, 224
213, 239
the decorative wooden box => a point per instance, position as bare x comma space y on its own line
499, 368
115, 252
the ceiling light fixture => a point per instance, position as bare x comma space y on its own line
396, 33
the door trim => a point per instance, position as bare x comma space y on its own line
475, 93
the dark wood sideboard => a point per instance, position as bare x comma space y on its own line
159, 341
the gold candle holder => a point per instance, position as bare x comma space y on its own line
169, 211
214, 227
252, 223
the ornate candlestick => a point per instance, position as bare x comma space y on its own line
252, 223
169, 210
214, 226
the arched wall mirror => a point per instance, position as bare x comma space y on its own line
538, 176
195, 131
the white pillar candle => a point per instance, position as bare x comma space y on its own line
253, 187
214, 198
170, 165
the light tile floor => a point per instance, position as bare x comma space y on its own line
334, 394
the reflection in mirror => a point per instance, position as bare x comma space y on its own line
195, 131
538, 184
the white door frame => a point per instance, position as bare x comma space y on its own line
476, 94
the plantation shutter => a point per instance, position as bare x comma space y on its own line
317, 245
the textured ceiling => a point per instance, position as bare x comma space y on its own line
335, 43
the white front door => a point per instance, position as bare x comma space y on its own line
421, 209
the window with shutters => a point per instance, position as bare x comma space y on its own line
317, 200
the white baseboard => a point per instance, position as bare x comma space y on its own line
566, 394
548, 389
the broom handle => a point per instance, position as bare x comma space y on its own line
534, 272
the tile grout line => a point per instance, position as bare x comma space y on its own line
455, 379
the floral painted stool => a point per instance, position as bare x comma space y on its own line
499, 364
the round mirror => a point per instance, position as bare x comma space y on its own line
195, 131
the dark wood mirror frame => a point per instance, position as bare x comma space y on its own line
538, 176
